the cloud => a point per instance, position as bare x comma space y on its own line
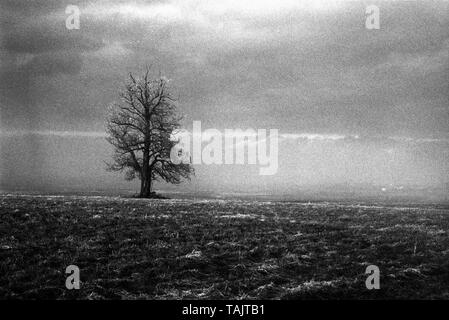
56, 63
44, 38
300, 65
419, 140
88, 134
111, 51
314, 136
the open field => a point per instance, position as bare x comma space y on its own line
219, 249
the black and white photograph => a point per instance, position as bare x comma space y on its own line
242, 151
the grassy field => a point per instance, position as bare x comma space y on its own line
219, 249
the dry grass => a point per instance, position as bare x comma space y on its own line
179, 249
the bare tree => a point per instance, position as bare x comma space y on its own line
140, 129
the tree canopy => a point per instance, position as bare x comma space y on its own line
140, 128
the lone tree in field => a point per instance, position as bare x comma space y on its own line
140, 129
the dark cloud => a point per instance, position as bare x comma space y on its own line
61, 62
46, 39
317, 68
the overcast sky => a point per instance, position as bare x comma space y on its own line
354, 105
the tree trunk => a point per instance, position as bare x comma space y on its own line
145, 185
145, 189
142, 185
